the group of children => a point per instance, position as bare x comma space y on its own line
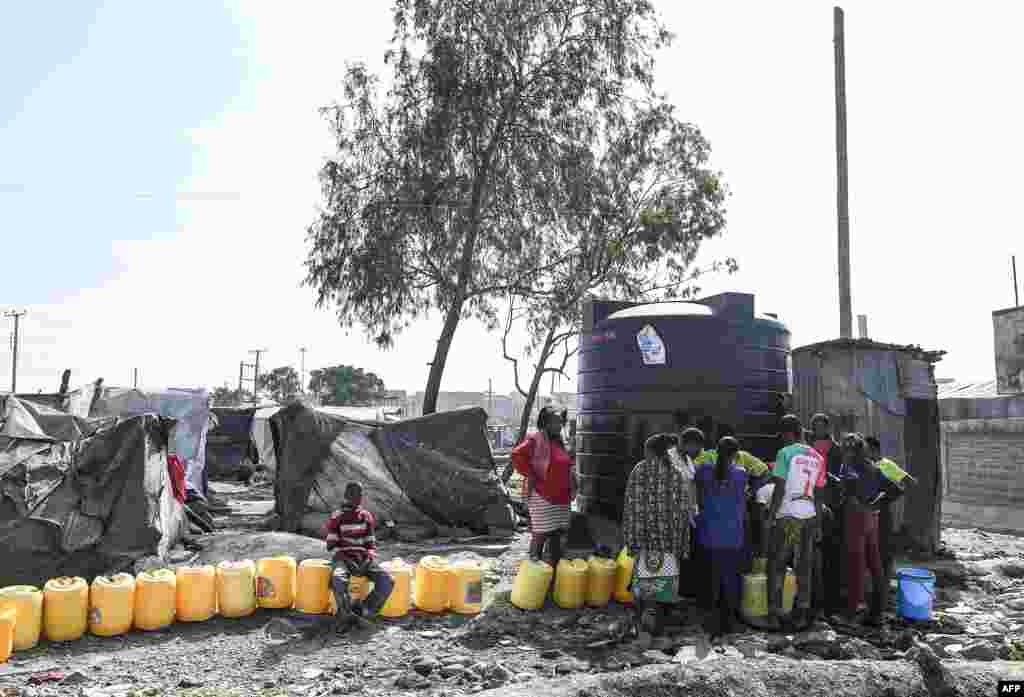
712, 511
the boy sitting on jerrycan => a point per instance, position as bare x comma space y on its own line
350, 535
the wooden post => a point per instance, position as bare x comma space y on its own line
842, 175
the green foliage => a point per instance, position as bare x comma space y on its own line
227, 397
282, 383
443, 193
345, 385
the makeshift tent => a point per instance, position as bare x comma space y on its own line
82, 497
189, 407
432, 469
443, 462
229, 446
318, 454
263, 438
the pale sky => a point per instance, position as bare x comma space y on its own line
158, 170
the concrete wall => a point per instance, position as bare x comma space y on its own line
983, 463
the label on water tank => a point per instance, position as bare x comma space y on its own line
652, 348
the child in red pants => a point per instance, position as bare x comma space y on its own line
863, 484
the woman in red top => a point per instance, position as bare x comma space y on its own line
547, 467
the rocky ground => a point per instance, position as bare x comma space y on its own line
979, 618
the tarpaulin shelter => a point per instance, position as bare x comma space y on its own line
444, 463
433, 469
229, 447
318, 454
190, 408
82, 496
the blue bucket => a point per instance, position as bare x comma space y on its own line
915, 593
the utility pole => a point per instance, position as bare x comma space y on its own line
1016, 296
842, 175
490, 397
302, 371
256, 376
136, 378
241, 374
14, 348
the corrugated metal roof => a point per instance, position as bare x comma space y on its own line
969, 390
872, 345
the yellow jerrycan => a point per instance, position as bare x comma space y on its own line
196, 593
8, 621
400, 600
467, 585
755, 595
275, 582
432, 584
530, 587
600, 581
236, 588
27, 603
111, 605
313, 592
624, 577
156, 599
65, 608
571, 584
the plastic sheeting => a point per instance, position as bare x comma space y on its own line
229, 443
879, 380
444, 463
436, 468
87, 505
189, 407
318, 454
263, 438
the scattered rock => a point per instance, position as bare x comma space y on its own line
425, 666
565, 668
778, 645
937, 678
499, 674
657, 657
75, 678
411, 681
448, 672
852, 648
550, 654
980, 651
457, 661
187, 683
1011, 569
312, 673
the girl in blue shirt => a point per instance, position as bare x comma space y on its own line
721, 499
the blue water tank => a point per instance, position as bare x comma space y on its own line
713, 359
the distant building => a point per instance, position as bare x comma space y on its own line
501, 408
982, 426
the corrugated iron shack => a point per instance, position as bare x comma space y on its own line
889, 391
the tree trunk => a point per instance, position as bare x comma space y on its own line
531, 397
444, 343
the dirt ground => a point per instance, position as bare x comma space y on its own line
979, 617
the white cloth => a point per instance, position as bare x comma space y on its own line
764, 494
